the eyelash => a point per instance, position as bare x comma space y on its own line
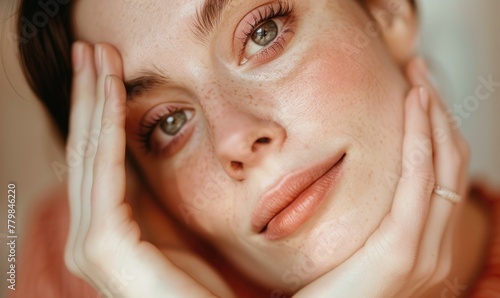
262, 15
149, 124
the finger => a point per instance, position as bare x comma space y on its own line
103, 64
79, 147
418, 74
451, 150
82, 96
107, 61
92, 135
411, 201
435, 247
111, 125
109, 166
400, 232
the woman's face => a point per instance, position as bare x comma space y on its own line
272, 96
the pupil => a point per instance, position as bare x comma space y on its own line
173, 123
265, 33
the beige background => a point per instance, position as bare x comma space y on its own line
461, 38
458, 39
27, 146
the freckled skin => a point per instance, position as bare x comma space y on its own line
315, 99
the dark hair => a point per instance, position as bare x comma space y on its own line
45, 37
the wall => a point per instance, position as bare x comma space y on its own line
461, 38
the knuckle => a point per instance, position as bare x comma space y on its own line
84, 267
425, 182
70, 263
402, 270
403, 263
420, 176
80, 261
431, 182
426, 270
74, 259
91, 252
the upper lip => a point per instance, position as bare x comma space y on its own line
286, 190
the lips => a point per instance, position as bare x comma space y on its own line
294, 199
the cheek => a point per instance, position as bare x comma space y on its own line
334, 94
203, 199
361, 96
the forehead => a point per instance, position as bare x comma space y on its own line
143, 31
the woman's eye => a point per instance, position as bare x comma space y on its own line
174, 122
264, 36
265, 33
165, 128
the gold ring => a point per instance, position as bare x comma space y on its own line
447, 194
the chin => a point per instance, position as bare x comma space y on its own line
319, 247
303, 268
339, 230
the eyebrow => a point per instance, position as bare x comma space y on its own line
146, 82
209, 17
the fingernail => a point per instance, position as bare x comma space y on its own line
98, 58
78, 56
423, 96
422, 66
107, 85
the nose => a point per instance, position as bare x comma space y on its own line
244, 141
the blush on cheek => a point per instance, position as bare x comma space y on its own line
332, 83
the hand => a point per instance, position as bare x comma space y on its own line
104, 244
412, 249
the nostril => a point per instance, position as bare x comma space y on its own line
263, 141
236, 166
260, 141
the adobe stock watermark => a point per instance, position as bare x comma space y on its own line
119, 282
204, 197
306, 265
31, 27
415, 158
452, 289
485, 89
83, 149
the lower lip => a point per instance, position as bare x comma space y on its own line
303, 207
